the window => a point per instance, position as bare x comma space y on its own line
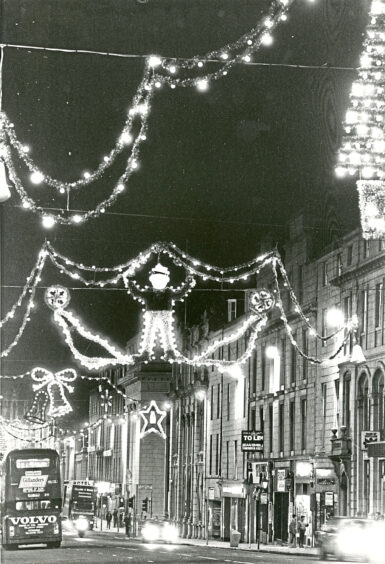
281, 416
235, 460
293, 367
323, 325
263, 368
212, 403
261, 420
366, 243
303, 423
378, 305
228, 402
283, 362
348, 317
339, 264
218, 400
292, 424
305, 347
271, 428
253, 415
337, 395
231, 310
324, 397
349, 257
227, 458
364, 310
324, 273
346, 401
300, 283
217, 455
211, 456
254, 372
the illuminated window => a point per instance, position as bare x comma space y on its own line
231, 310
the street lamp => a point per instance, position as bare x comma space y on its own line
201, 395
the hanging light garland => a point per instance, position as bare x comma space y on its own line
30, 287
363, 144
240, 51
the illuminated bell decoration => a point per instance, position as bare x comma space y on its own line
261, 302
152, 417
5, 194
57, 297
55, 384
37, 412
372, 206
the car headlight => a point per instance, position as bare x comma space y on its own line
351, 541
170, 533
150, 532
81, 524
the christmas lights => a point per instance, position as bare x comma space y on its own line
229, 55
30, 287
152, 417
55, 384
363, 144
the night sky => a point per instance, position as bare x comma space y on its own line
219, 169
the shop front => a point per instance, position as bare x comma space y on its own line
233, 509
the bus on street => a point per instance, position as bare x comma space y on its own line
31, 498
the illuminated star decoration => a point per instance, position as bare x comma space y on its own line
152, 417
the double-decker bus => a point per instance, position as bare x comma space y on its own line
79, 500
31, 498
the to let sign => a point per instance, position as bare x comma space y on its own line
252, 441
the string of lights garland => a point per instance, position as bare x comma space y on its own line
348, 328
363, 144
297, 307
31, 287
249, 43
31, 281
49, 220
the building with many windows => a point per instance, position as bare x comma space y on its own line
322, 423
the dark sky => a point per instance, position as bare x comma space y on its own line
219, 169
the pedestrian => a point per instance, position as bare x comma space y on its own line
302, 530
293, 531
108, 519
127, 524
115, 514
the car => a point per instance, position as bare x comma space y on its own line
344, 538
156, 530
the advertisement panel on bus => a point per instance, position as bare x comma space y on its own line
32, 498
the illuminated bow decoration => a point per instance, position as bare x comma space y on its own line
56, 384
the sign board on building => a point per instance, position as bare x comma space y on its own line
376, 450
329, 499
281, 480
144, 486
233, 490
252, 441
263, 498
91, 448
368, 437
107, 452
211, 492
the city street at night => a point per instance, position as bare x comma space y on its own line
192, 281
112, 548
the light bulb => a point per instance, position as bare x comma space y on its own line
36, 177
247, 58
154, 61
48, 221
86, 174
202, 85
77, 218
267, 39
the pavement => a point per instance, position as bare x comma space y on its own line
253, 547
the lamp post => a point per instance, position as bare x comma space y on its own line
201, 395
